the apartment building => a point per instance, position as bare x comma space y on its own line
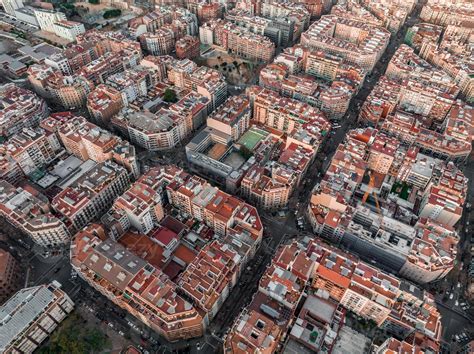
133, 278
68, 91
207, 82
68, 29
161, 42
91, 194
446, 13
443, 201
253, 332
72, 58
290, 18
48, 18
31, 315
31, 149
281, 113
107, 65
270, 188
381, 102
335, 99
141, 205
217, 209
9, 275
19, 108
103, 103
425, 262
422, 34
193, 107
179, 71
160, 131
382, 153
355, 41
87, 141
417, 342
11, 5
187, 47
281, 285
367, 283
134, 285
208, 280
263, 323
237, 40
291, 76
130, 83
372, 231
396, 306
323, 65
264, 190
29, 211
206, 11
232, 117
280, 29
452, 144
177, 16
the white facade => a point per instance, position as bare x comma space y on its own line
48, 232
206, 35
59, 62
26, 14
47, 19
68, 29
11, 5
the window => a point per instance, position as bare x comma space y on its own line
260, 324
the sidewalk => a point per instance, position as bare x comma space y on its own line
117, 341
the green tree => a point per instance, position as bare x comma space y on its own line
73, 338
245, 152
112, 13
170, 96
95, 2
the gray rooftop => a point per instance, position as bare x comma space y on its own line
351, 342
153, 123
321, 308
18, 312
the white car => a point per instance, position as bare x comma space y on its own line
451, 296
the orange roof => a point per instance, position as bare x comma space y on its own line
144, 247
185, 254
337, 279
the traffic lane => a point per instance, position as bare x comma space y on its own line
453, 323
119, 320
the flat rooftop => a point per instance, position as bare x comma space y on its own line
351, 342
20, 310
234, 159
